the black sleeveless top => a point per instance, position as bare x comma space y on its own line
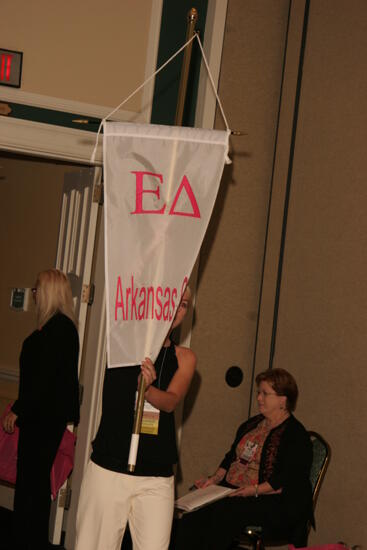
156, 453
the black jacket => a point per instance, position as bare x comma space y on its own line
48, 384
285, 463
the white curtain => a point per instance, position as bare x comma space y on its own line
160, 187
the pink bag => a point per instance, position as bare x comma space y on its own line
8, 451
62, 466
63, 463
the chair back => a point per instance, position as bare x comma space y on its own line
321, 457
320, 461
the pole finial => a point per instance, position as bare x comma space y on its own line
192, 15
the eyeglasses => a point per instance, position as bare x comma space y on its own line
265, 393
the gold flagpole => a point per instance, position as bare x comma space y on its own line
192, 17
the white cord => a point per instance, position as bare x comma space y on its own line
135, 91
212, 82
152, 76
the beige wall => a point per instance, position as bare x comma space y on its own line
232, 254
29, 225
80, 51
322, 316
322, 312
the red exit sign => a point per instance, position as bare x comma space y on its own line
10, 68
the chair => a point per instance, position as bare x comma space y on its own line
321, 455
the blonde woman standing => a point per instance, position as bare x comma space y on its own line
47, 401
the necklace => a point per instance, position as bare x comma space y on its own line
277, 422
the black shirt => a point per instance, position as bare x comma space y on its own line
48, 364
156, 453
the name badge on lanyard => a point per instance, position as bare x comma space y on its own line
150, 419
248, 452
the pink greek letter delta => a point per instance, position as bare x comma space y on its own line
184, 186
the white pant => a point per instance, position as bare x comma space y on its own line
109, 499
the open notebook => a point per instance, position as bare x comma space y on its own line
201, 497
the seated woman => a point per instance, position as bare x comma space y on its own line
269, 466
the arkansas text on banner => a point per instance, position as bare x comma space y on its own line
160, 187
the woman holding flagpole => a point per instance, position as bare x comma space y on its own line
111, 495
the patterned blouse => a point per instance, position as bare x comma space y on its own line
244, 470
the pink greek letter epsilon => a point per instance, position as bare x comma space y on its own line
140, 192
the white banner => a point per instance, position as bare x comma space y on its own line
160, 187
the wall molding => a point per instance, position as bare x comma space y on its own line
8, 95
8, 374
46, 140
